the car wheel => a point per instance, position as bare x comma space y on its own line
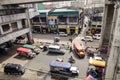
20, 73
6, 72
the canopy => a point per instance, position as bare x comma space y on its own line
60, 64
29, 46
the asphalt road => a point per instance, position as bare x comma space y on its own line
41, 62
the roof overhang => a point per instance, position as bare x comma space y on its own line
8, 2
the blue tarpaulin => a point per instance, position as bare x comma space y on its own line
60, 64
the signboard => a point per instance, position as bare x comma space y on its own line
51, 23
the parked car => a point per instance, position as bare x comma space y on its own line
11, 68
97, 61
56, 39
87, 38
97, 36
56, 49
63, 34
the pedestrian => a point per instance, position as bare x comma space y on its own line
70, 48
85, 42
68, 45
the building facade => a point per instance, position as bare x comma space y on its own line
14, 21
61, 20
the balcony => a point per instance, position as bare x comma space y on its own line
9, 36
14, 17
33, 14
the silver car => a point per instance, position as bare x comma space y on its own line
63, 34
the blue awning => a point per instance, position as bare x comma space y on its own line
60, 64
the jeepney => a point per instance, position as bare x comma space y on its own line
25, 52
32, 47
64, 68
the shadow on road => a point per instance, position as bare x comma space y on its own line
20, 57
6, 55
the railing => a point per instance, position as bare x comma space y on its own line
14, 17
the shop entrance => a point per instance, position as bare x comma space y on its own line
72, 31
63, 30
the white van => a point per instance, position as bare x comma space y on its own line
87, 38
63, 34
97, 36
55, 49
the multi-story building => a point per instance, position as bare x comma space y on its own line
60, 20
14, 21
94, 9
40, 22
78, 3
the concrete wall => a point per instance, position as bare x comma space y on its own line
114, 52
10, 36
19, 24
4, 2
14, 17
107, 22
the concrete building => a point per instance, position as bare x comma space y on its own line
111, 39
15, 18
14, 21
94, 3
78, 3
61, 4
59, 20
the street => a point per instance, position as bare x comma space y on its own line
40, 64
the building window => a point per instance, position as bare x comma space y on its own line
36, 19
14, 26
97, 18
23, 23
72, 19
43, 19
62, 19
6, 27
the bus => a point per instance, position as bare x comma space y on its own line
63, 68
78, 48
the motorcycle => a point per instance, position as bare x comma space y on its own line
71, 60
59, 60
44, 48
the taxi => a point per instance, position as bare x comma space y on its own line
97, 61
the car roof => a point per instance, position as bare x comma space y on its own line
23, 49
88, 36
54, 46
12, 65
60, 64
29, 46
